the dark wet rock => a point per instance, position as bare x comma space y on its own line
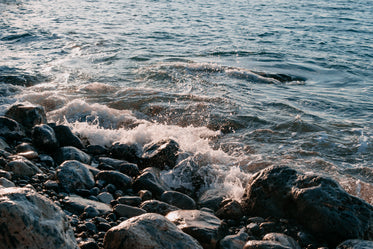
203, 226
3, 144
122, 166
150, 180
356, 244
74, 175
91, 227
27, 115
236, 241
22, 168
29, 220
178, 199
66, 138
283, 239
128, 152
71, 153
264, 244
211, 198
103, 226
230, 209
122, 210
10, 129
24, 147
162, 154
29, 155
50, 184
5, 174
76, 205
105, 197
318, 203
159, 207
6, 183
130, 200
47, 160
145, 195
119, 180
97, 150
91, 244
148, 231
44, 138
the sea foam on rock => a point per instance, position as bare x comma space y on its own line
317, 203
148, 231
29, 220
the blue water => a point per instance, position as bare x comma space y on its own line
276, 82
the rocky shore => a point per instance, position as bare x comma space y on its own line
58, 192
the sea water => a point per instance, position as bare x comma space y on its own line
240, 85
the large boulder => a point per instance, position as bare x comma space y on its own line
148, 231
71, 153
29, 220
65, 137
44, 138
150, 180
11, 129
27, 115
317, 203
203, 226
73, 175
161, 154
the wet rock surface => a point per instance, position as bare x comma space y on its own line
118, 197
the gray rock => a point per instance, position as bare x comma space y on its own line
22, 168
264, 244
230, 210
130, 200
283, 239
44, 138
159, 207
29, 220
71, 153
319, 204
74, 175
128, 152
119, 180
150, 180
65, 137
203, 226
6, 183
356, 244
3, 144
105, 197
161, 154
148, 231
91, 212
236, 241
178, 199
27, 115
122, 210
76, 205
11, 129
211, 199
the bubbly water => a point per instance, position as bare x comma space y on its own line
240, 85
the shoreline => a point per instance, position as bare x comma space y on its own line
97, 191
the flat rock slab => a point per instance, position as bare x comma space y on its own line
148, 231
76, 204
201, 225
29, 220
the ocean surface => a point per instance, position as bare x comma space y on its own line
240, 85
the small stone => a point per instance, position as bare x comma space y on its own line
91, 244
6, 183
130, 200
231, 210
76, 205
236, 241
91, 212
50, 184
263, 244
145, 195
97, 150
122, 210
29, 154
150, 180
127, 152
159, 207
3, 144
283, 239
103, 226
105, 197
5, 174
161, 154
94, 191
91, 227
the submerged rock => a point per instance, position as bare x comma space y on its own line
27, 115
161, 154
148, 231
318, 203
29, 220
203, 226
73, 175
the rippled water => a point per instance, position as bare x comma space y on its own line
243, 84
